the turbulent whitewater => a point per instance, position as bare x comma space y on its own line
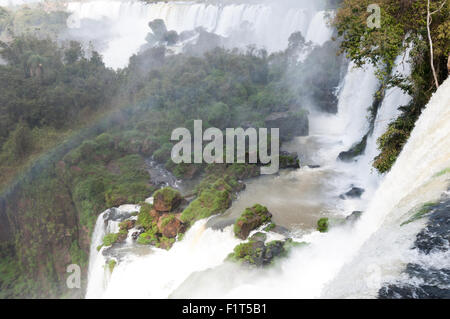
353, 259
249, 24
350, 261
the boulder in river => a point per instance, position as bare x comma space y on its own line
354, 216
170, 226
251, 219
354, 151
355, 192
257, 253
167, 199
291, 124
289, 160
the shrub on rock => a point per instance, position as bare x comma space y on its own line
251, 219
322, 225
166, 199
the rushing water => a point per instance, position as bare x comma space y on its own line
127, 23
352, 260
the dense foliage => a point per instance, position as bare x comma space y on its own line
403, 24
51, 90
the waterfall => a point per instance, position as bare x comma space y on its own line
96, 270
318, 31
373, 250
128, 23
352, 260
387, 112
107, 222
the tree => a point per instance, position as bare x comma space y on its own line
19, 144
430, 40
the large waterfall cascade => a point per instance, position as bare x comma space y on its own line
317, 270
352, 260
128, 22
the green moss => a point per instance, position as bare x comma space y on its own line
323, 225
251, 213
166, 220
79, 256
180, 236
243, 251
425, 209
270, 227
111, 264
144, 218
148, 238
165, 242
110, 239
443, 172
214, 199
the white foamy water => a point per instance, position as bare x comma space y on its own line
160, 272
129, 21
350, 260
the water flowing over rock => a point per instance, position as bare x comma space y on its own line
246, 23
336, 264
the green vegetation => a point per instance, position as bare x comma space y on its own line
111, 264
443, 172
212, 199
256, 253
425, 209
166, 198
404, 23
270, 227
31, 20
110, 239
144, 218
245, 252
323, 225
166, 220
250, 219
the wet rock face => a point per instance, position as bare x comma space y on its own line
257, 253
354, 151
289, 160
114, 214
219, 223
355, 192
436, 235
413, 292
170, 226
354, 216
433, 283
290, 124
139, 230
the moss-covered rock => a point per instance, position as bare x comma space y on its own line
323, 225
212, 199
256, 253
251, 219
354, 151
111, 264
289, 160
270, 227
170, 226
166, 199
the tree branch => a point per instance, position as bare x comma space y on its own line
436, 82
